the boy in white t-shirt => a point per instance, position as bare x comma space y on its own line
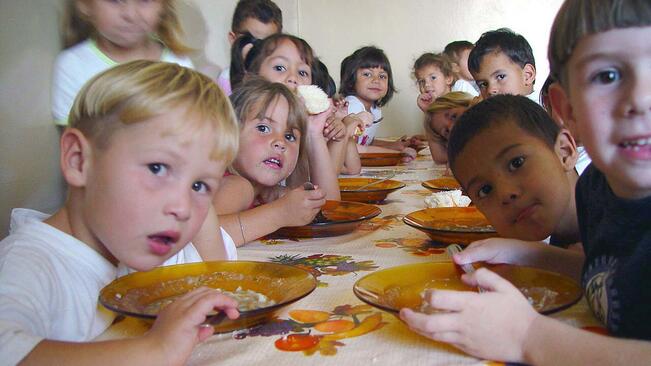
147, 146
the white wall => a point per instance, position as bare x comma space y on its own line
404, 29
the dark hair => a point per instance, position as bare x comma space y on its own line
579, 18
504, 40
262, 49
265, 11
440, 60
237, 71
545, 102
523, 112
453, 49
321, 78
365, 57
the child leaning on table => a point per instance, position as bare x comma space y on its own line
595, 53
502, 62
441, 115
146, 149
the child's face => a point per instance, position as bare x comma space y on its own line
610, 103
256, 28
371, 85
499, 75
124, 23
442, 121
516, 180
463, 64
430, 79
268, 147
285, 66
148, 192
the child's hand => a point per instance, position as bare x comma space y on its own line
341, 106
424, 100
495, 250
178, 328
334, 129
299, 206
409, 154
316, 123
418, 141
491, 325
355, 125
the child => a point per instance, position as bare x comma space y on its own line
502, 63
101, 34
442, 114
252, 202
256, 18
289, 60
367, 83
596, 56
138, 192
517, 166
459, 51
435, 77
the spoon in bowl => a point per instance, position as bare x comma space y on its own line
468, 268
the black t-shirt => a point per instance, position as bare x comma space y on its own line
616, 236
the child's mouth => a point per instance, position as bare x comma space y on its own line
161, 243
274, 163
637, 148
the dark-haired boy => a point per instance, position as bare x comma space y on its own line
502, 62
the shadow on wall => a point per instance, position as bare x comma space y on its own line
196, 35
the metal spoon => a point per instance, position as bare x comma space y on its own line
374, 183
320, 217
468, 268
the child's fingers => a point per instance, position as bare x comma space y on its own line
475, 252
449, 300
488, 280
427, 324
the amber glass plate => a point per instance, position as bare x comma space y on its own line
380, 159
377, 192
338, 218
447, 225
442, 184
132, 294
400, 287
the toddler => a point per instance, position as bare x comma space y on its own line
100, 34
502, 63
146, 149
600, 65
441, 116
252, 201
257, 19
367, 84
435, 76
459, 51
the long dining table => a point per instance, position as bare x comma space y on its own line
371, 336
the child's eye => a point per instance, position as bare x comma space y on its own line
304, 74
200, 187
607, 77
366, 74
289, 136
433, 77
157, 168
279, 68
482, 85
383, 76
501, 76
484, 191
516, 163
262, 128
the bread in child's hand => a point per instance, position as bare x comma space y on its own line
316, 100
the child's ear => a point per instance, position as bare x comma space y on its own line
75, 157
565, 148
529, 74
231, 37
561, 104
449, 81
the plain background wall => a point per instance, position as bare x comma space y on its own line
29, 42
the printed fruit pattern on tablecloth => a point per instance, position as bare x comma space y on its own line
416, 246
325, 264
312, 331
384, 223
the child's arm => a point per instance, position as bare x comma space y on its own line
169, 342
439, 152
297, 207
500, 324
322, 170
344, 152
208, 241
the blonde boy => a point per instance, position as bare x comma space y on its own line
603, 68
147, 145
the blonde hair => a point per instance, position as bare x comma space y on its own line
76, 28
579, 18
447, 101
140, 90
253, 98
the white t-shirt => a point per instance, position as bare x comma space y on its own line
49, 286
224, 81
356, 106
583, 160
76, 65
465, 86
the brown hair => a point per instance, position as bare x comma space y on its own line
76, 28
579, 18
139, 90
440, 60
265, 11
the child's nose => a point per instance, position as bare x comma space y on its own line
279, 144
179, 204
638, 99
129, 9
508, 193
